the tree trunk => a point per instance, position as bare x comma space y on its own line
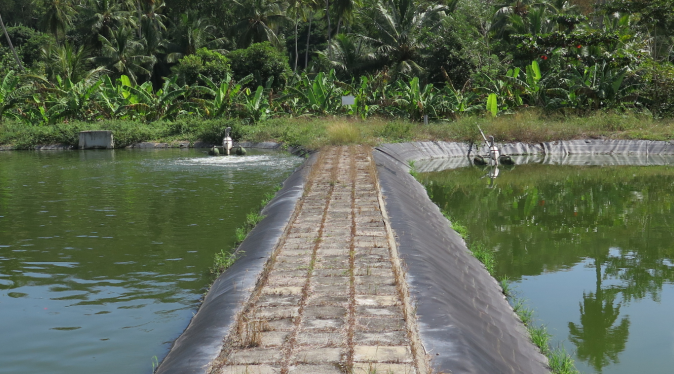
327, 12
297, 56
306, 56
9, 41
140, 21
339, 24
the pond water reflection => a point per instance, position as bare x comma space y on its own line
104, 255
591, 248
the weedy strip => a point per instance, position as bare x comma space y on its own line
225, 259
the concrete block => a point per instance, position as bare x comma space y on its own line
397, 354
255, 356
370, 300
250, 369
380, 324
319, 355
316, 369
321, 339
96, 140
274, 338
368, 368
381, 338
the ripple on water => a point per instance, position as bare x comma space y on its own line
255, 161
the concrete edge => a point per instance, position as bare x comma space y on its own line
201, 342
417, 151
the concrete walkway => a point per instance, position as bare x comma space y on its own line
330, 299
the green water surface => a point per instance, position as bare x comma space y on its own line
105, 255
591, 249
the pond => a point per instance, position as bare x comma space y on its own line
590, 248
105, 255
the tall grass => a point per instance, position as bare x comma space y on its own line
343, 133
314, 132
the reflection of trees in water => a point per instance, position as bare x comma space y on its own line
552, 218
597, 338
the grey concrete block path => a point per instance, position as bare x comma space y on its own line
330, 300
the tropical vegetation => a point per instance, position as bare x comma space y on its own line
253, 60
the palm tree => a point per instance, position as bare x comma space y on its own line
259, 20
69, 62
350, 54
327, 15
102, 16
344, 10
150, 16
124, 55
536, 22
58, 17
298, 9
310, 7
190, 34
11, 46
152, 28
397, 32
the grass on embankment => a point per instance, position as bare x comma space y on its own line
559, 360
225, 259
312, 133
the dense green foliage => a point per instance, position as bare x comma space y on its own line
92, 60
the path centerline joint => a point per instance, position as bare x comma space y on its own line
332, 299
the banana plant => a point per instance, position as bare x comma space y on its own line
363, 99
255, 106
416, 101
456, 101
71, 100
492, 104
598, 85
153, 106
11, 94
224, 96
533, 79
111, 100
320, 95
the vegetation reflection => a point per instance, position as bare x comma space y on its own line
540, 218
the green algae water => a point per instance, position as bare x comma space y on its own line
591, 249
105, 255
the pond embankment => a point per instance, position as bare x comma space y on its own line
333, 297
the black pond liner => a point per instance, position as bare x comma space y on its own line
465, 323
202, 340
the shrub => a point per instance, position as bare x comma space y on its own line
263, 61
28, 43
657, 88
210, 64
